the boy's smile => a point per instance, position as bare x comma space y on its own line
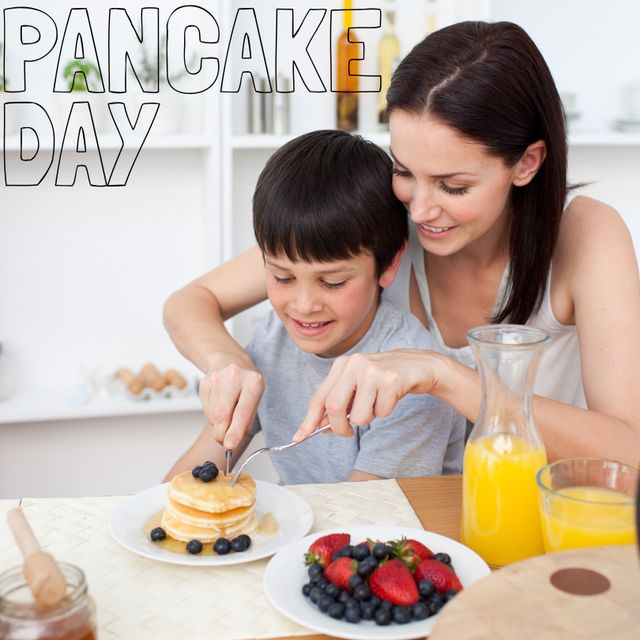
326, 307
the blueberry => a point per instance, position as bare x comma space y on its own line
322, 582
306, 589
435, 607
336, 610
350, 602
315, 594
361, 551
354, 581
353, 614
387, 605
194, 546
401, 615
208, 473
382, 617
375, 601
437, 598
241, 543
368, 610
324, 602
450, 593
420, 611
222, 546
381, 551
361, 592
157, 534
367, 566
426, 588
195, 472
343, 596
442, 557
315, 571
332, 590
344, 552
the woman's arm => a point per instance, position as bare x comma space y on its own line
599, 270
194, 317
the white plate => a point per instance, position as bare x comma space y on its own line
285, 574
292, 513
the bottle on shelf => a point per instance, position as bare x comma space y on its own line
432, 16
388, 58
281, 116
346, 74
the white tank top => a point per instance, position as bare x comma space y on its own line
559, 374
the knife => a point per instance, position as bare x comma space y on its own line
227, 454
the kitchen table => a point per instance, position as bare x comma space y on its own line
145, 599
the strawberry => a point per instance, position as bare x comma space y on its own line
393, 581
411, 552
323, 548
340, 570
442, 576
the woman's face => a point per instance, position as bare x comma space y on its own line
456, 193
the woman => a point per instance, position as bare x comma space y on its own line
479, 147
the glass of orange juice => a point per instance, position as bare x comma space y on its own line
587, 502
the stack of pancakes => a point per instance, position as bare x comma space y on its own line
206, 511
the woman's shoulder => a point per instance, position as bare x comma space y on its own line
593, 240
585, 216
585, 226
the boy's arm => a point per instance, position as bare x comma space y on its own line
357, 476
206, 447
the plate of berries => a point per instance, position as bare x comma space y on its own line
374, 581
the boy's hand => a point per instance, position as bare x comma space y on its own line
230, 398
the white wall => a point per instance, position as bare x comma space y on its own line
84, 271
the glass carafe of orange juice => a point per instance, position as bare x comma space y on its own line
500, 518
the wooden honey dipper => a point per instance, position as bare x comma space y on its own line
41, 571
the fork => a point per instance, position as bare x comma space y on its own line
282, 447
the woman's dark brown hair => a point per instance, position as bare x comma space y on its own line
490, 82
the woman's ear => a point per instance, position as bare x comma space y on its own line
389, 274
529, 164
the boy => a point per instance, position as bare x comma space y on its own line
332, 234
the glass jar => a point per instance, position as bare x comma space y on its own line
500, 518
21, 618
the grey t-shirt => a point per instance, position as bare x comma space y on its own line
422, 436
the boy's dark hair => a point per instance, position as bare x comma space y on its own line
326, 196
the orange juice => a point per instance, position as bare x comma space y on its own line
500, 517
586, 517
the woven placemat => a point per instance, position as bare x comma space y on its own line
142, 599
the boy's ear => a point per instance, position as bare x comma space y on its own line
529, 164
389, 274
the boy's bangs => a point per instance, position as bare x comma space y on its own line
320, 235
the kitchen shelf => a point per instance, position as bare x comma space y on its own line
577, 139
69, 403
109, 141
267, 141
604, 139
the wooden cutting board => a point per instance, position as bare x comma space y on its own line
581, 593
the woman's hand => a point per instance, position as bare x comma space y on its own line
230, 397
366, 386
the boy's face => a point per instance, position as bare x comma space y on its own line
325, 306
